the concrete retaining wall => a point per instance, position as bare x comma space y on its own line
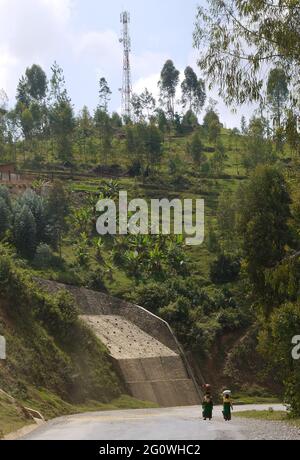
164, 378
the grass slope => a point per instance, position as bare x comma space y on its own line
54, 363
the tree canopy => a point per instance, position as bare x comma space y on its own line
238, 40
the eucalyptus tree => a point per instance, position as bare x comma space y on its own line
61, 114
148, 103
84, 128
168, 83
277, 95
193, 91
104, 94
239, 40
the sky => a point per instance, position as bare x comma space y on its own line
83, 37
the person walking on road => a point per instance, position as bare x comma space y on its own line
227, 407
207, 407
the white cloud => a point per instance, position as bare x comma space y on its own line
33, 28
147, 63
101, 46
150, 82
41, 31
7, 66
30, 31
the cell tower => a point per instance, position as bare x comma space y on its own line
127, 88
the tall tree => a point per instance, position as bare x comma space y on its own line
104, 94
31, 107
36, 82
212, 125
292, 132
58, 90
137, 108
22, 92
168, 83
25, 233
116, 120
3, 120
243, 125
35, 203
195, 149
148, 103
85, 128
5, 217
143, 105
193, 91
62, 125
258, 148
277, 94
153, 145
237, 40
105, 131
264, 212
162, 120
57, 212
61, 115
189, 122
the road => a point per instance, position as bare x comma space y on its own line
184, 423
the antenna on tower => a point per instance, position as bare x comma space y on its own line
127, 87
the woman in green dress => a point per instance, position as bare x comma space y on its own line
227, 407
207, 407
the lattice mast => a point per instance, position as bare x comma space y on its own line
127, 86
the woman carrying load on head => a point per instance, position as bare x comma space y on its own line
207, 407
227, 406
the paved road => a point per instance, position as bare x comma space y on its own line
182, 423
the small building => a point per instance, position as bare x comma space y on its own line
7, 168
8, 172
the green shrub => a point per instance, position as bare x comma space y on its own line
275, 343
225, 269
49, 345
153, 296
4, 194
5, 217
4, 269
25, 233
44, 257
95, 280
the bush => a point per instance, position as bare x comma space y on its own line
153, 296
4, 194
177, 311
25, 233
275, 343
231, 319
95, 281
225, 269
135, 169
44, 257
4, 217
4, 269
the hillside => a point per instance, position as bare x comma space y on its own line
54, 362
204, 292
99, 267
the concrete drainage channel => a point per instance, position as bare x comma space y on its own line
31, 414
142, 346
